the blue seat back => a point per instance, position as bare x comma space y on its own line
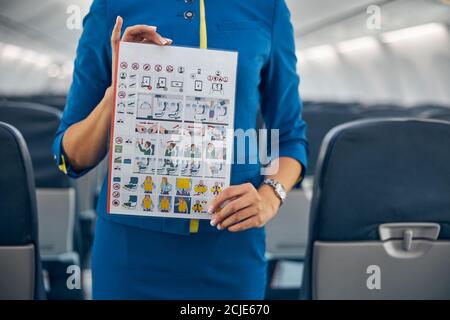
372, 172
18, 218
38, 125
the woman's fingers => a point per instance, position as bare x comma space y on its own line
161, 41
252, 222
232, 207
138, 33
115, 38
117, 30
145, 34
228, 194
237, 217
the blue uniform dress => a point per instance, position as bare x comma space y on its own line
144, 257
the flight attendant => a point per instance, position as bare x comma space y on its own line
139, 257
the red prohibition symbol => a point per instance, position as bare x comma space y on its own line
119, 140
158, 67
124, 65
135, 66
146, 67
116, 186
115, 203
169, 68
122, 94
116, 194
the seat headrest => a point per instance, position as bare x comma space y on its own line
55, 101
438, 112
378, 171
386, 111
38, 125
321, 119
18, 217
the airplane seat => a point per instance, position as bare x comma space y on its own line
60, 238
438, 112
386, 111
20, 266
287, 234
285, 243
380, 214
321, 118
55, 101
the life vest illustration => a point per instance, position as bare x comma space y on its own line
148, 184
200, 188
183, 186
147, 203
164, 204
182, 206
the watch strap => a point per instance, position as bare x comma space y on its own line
275, 185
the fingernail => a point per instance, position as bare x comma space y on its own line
213, 222
168, 40
210, 210
219, 227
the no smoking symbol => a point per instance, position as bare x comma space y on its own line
116, 186
146, 67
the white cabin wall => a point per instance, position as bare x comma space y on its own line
410, 71
407, 72
37, 45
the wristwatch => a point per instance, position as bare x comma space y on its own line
277, 187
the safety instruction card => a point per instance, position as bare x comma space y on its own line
171, 135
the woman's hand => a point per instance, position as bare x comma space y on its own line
138, 34
85, 142
244, 207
